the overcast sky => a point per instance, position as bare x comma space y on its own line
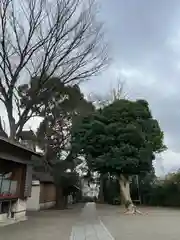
144, 36
144, 39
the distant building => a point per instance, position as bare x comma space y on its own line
89, 189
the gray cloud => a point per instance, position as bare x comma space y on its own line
139, 27
145, 44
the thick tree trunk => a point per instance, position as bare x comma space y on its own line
65, 202
12, 124
125, 192
61, 200
12, 129
101, 190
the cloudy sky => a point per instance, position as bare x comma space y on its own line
144, 36
144, 39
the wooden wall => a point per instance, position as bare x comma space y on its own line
47, 192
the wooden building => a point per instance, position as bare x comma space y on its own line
15, 179
43, 194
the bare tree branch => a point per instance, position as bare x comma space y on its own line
114, 94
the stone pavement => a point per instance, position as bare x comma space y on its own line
86, 224
73, 224
155, 223
44, 225
90, 227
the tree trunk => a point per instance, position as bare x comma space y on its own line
12, 129
125, 192
65, 202
101, 189
12, 124
61, 199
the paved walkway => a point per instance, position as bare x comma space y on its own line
155, 223
85, 224
44, 225
73, 224
90, 226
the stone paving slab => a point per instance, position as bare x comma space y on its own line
155, 223
90, 227
92, 231
43, 225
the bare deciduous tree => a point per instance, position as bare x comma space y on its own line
115, 93
45, 38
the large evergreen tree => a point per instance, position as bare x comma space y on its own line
121, 139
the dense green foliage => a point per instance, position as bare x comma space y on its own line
121, 138
60, 107
162, 192
151, 190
